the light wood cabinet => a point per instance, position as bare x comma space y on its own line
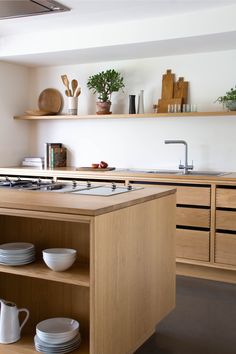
225, 249
226, 198
107, 290
193, 244
193, 217
193, 195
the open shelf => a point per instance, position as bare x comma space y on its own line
126, 115
26, 345
78, 274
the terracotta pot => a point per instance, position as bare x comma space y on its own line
103, 107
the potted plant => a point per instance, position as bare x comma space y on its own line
229, 99
104, 83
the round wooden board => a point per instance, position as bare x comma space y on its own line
50, 100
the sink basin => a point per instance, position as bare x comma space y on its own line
178, 172
206, 173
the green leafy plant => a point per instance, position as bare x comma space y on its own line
229, 96
104, 83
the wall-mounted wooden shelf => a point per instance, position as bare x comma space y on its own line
126, 115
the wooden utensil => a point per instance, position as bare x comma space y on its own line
67, 84
78, 92
74, 85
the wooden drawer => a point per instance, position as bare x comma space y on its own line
193, 195
193, 244
226, 198
193, 217
225, 249
226, 220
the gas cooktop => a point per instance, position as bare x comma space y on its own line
74, 187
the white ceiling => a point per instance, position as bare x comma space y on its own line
86, 13
96, 12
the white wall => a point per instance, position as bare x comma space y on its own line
14, 135
140, 142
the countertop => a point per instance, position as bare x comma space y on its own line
76, 204
117, 174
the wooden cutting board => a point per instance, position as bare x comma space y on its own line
95, 169
181, 89
162, 106
168, 80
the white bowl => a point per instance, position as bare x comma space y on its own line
59, 252
57, 330
59, 265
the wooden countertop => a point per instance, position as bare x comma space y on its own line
76, 204
71, 172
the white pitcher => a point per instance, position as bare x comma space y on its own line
10, 328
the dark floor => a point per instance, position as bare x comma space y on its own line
203, 322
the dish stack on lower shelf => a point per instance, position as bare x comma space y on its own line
17, 253
57, 335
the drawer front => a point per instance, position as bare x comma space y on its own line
193, 244
194, 195
226, 198
225, 249
226, 220
193, 217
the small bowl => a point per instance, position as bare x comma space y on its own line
59, 259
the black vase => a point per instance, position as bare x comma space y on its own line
132, 109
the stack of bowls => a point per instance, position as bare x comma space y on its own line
59, 259
57, 335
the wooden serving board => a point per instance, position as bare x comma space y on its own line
167, 85
162, 106
95, 169
181, 89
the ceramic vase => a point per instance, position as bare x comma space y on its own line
132, 109
140, 102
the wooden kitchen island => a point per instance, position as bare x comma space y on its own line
123, 282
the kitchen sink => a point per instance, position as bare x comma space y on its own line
177, 172
206, 173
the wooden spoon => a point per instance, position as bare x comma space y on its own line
66, 83
74, 85
78, 92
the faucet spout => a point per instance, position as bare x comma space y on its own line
186, 167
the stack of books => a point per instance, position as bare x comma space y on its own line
37, 162
55, 155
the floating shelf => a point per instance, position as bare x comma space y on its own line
126, 115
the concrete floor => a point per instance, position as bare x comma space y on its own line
203, 322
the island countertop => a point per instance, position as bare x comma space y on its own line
77, 204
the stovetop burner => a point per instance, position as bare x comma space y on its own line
74, 187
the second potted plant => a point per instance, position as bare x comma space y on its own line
229, 99
104, 83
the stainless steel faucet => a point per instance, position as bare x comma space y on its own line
186, 167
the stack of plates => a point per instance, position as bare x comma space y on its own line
57, 335
17, 253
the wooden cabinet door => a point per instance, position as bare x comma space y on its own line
226, 198
194, 195
225, 249
195, 217
193, 244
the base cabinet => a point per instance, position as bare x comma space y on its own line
121, 286
193, 244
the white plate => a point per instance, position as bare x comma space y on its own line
16, 247
57, 348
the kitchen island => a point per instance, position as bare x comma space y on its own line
123, 282
205, 213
